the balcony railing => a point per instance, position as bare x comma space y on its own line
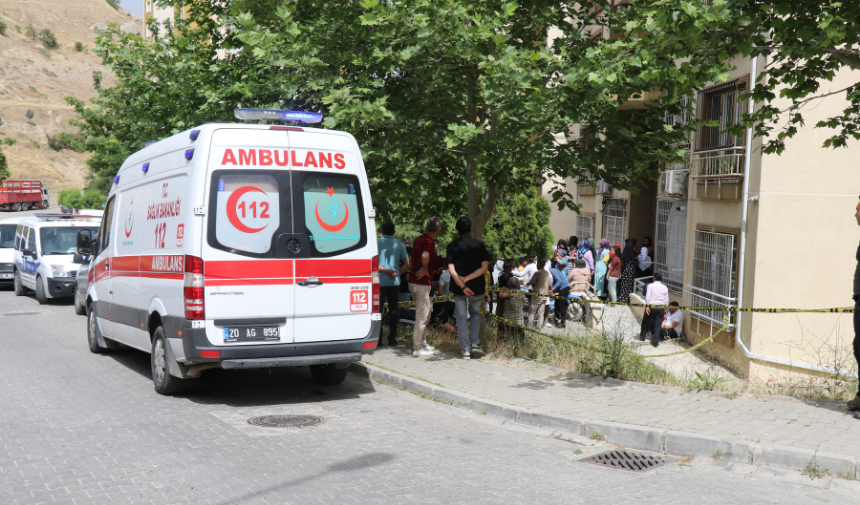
585, 189
718, 172
712, 307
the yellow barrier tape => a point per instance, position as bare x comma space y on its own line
577, 344
835, 310
443, 298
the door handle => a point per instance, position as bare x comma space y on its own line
312, 282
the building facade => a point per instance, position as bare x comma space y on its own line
151, 9
734, 227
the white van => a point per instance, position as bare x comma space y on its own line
238, 246
7, 250
43, 254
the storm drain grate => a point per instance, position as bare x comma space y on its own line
286, 421
21, 313
626, 460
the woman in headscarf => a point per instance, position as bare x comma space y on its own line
600, 269
628, 272
560, 252
614, 273
580, 277
587, 254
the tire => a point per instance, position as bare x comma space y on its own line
41, 297
575, 312
18, 207
80, 308
165, 384
45, 204
26, 206
92, 333
328, 375
20, 290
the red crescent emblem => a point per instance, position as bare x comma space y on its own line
332, 227
231, 209
129, 221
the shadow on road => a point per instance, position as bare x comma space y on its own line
249, 388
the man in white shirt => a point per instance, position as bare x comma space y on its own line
656, 294
673, 321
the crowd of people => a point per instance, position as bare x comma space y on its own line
416, 270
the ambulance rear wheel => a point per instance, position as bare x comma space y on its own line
92, 333
20, 290
41, 297
328, 375
165, 384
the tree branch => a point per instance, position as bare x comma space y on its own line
845, 59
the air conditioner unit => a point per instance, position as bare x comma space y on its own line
603, 188
673, 182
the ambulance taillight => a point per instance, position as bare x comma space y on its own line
194, 306
374, 275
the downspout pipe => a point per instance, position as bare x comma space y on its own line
742, 260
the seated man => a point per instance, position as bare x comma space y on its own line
672, 321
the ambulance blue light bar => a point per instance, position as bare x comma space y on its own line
278, 115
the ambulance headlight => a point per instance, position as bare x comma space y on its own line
58, 271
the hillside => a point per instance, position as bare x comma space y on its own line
33, 77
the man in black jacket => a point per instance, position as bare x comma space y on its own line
467, 262
855, 403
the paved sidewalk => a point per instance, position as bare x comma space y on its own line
804, 424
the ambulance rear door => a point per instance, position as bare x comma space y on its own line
248, 266
333, 268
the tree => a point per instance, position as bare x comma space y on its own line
805, 42
48, 38
453, 103
31, 32
2, 28
75, 199
30, 114
520, 227
4, 166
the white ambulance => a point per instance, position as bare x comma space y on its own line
7, 250
238, 246
43, 254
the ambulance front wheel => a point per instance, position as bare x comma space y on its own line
165, 384
328, 375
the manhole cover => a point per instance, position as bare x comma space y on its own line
286, 421
626, 460
20, 313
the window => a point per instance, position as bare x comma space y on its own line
671, 242
615, 220
251, 209
7, 236
105, 229
60, 240
585, 189
333, 212
720, 104
584, 226
714, 276
20, 237
31, 240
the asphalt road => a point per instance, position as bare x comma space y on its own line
82, 428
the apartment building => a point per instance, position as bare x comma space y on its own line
151, 9
734, 227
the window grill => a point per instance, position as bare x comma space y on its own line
584, 225
671, 243
615, 220
714, 275
720, 103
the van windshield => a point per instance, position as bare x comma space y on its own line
60, 240
7, 236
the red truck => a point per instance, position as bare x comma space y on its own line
23, 195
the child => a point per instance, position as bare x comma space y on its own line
514, 308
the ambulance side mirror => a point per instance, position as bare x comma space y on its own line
84, 246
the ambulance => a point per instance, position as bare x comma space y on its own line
7, 250
238, 246
43, 254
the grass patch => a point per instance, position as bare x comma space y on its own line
595, 435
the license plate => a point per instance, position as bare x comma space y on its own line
252, 334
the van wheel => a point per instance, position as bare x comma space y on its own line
20, 290
80, 308
165, 384
18, 207
40, 292
92, 333
328, 375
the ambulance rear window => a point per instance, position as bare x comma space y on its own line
331, 214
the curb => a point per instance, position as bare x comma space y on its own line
672, 443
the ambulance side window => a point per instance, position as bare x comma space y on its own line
107, 224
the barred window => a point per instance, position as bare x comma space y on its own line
615, 220
714, 277
671, 243
720, 103
584, 225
